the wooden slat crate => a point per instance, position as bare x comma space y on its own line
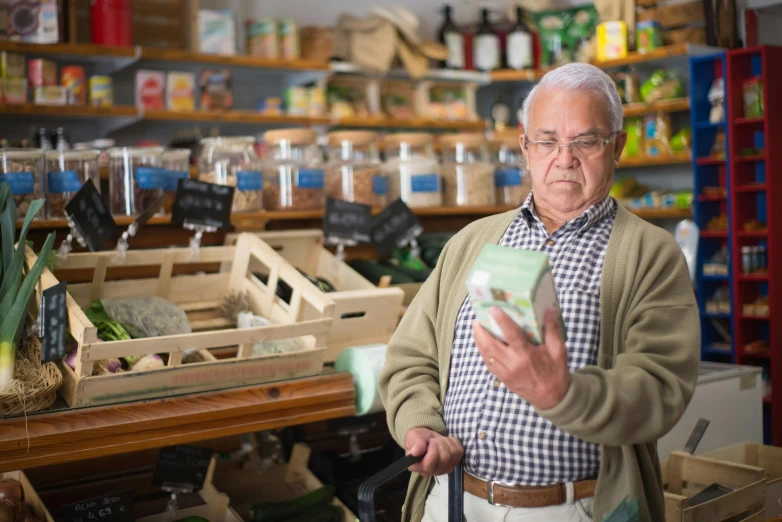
685, 475
363, 313
31, 497
199, 295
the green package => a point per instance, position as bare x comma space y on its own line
564, 34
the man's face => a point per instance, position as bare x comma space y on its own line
570, 182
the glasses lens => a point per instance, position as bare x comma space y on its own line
544, 149
586, 147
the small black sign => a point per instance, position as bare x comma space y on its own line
346, 220
200, 203
53, 322
396, 223
91, 216
114, 507
182, 467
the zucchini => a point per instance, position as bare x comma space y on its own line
284, 511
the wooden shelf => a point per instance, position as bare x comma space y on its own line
248, 117
184, 56
669, 51
510, 75
641, 109
676, 159
415, 123
662, 213
80, 111
77, 434
90, 51
702, 162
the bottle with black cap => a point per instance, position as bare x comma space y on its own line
453, 39
486, 45
518, 43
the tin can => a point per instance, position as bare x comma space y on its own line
73, 80
101, 91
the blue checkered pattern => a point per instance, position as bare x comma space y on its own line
504, 439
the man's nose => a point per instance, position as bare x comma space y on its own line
565, 159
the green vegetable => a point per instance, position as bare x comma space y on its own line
108, 330
290, 509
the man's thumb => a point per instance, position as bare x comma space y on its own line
416, 443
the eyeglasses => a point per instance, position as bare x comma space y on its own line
581, 148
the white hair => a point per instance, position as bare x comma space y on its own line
579, 77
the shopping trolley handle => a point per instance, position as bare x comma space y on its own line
366, 492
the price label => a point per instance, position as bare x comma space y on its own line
54, 323
182, 467
346, 220
393, 226
114, 507
91, 216
200, 203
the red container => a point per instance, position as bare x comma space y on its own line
112, 22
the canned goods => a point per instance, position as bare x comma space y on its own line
101, 91
73, 80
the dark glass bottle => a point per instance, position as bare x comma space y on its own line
486, 45
518, 44
453, 39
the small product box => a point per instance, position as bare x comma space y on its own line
518, 282
180, 91
74, 81
648, 36
41, 73
101, 91
151, 89
14, 90
51, 95
216, 32
11, 65
216, 89
611, 41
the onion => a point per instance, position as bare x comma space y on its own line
70, 359
151, 361
10, 490
9, 510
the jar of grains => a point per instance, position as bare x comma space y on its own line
136, 179
511, 177
177, 165
412, 169
22, 169
353, 171
232, 162
468, 176
66, 172
293, 170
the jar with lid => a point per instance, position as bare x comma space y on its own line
231, 161
468, 176
511, 177
293, 172
66, 172
136, 179
22, 169
353, 170
412, 169
177, 165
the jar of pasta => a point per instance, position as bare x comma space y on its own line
353, 170
511, 177
137, 179
293, 171
468, 176
66, 172
412, 169
232, 162
22, 169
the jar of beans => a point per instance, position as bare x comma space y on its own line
353, 170
468, 176
136, 179
293, 173
232, 162
512, 181
22, 169
412, 169
66, 172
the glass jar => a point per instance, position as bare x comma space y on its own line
353, 171
468, 176
22, 169
412, 169
66, 172
293, 170
511, 177
232, 162
136, 179
177, 165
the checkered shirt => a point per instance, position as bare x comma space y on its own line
503, 437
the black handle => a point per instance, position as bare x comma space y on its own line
366, 492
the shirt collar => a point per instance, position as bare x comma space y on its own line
591, 216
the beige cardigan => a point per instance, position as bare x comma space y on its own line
645, 375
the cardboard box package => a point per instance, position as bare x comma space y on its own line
150, 89
180, 91
216, 89
11, 65
41, 73
51, 95
14, 90
217, 32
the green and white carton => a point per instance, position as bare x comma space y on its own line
517, 281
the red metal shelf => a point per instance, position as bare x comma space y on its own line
701, 162
753, 278
754, 317
750, 159
759, 355
705, 198
754, 187
714, 235
752, 233
748, 121
767, 399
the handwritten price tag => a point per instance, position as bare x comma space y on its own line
114, 507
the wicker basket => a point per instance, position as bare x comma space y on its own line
41, 398
316, 43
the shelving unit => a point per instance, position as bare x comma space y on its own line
756, 192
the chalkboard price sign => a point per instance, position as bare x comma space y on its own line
199, 203
182, 467
91, 216
346, 220
54, 322
395, 224
114, 507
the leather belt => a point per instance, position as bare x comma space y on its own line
499, 494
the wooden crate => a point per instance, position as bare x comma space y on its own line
199, 295
685, 475
363, 313
31, 497
673, 14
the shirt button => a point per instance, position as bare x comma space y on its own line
496, 383
482, 435
551, 242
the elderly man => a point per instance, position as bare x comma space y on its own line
563, 431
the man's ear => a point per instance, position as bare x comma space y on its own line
522, 142
619, 144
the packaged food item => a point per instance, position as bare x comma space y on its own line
293, 176
565, 33
611, 41
41, 72
262, 38
753, 97
353, 171
467, 174
147, 316
518, 282
216, 32
14, 90
719, 145
413, 170
22, 169
317, 96
11, 65
289, 39
180, 91
680, 142
150, 89
297, 101
648, 36
33, 21
271, 106
216, 89
512, 181
448, 103
628, 85
51, 95
75, 84
232, 162
663, 84
101, 91
635, 138
66, 172
136, 179
657, 134
717, 99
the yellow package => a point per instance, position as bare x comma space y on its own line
611, 41
657, 134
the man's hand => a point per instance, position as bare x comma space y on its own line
442, 453
537, 374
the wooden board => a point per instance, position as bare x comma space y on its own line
30, 496
673, 15
691, 35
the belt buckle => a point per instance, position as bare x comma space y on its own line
490, 496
